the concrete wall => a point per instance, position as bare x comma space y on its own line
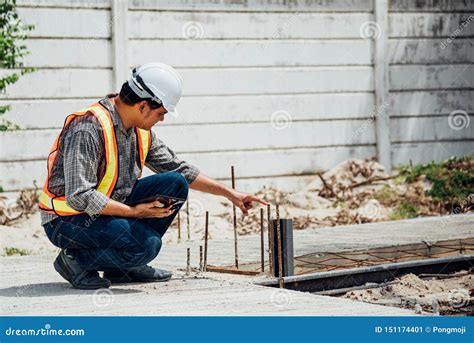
279, 89
431, 75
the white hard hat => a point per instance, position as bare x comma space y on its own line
158, 82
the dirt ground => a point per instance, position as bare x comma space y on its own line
433, 295
25, 237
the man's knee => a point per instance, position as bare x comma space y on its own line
152, 248
142, 254
180, 187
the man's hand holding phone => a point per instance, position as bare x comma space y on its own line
152, 209
159, 206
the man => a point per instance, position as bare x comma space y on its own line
94, 207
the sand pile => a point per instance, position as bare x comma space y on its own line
354, 192
433, 295
305, 208
342, 195
21, 208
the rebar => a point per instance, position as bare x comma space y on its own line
262, 243
179, 227
187, 220
188, 261
206, 237
280, 252
236, 252
270, 240
200, 259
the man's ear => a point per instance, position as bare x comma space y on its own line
141, 105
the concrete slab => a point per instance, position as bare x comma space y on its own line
339, 238
30, 286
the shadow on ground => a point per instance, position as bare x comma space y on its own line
53, 289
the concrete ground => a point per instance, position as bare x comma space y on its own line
30, 286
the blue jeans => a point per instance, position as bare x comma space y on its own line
107, 243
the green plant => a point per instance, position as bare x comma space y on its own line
405, 210
10, 251
452, 180
386, 196
12, 31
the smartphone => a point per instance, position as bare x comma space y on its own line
165, 200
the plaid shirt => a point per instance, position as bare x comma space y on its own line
80, 163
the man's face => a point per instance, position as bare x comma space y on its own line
149, 116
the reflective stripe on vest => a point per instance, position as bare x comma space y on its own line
144, 142
57, 204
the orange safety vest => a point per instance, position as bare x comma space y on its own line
57, 203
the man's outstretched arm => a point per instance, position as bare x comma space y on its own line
243, 201
161, 158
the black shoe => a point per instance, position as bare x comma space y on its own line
118, 277
70, 270
139, 274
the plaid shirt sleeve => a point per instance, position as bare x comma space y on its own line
82, 151
161, 158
